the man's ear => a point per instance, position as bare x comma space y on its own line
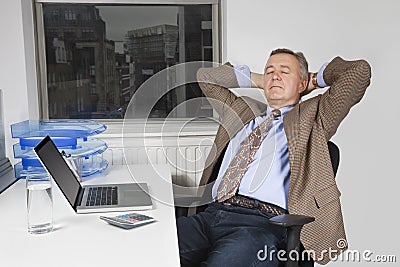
303, 86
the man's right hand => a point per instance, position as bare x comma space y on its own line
257, 80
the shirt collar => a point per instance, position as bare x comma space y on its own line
283, 110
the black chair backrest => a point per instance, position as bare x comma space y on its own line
335, 156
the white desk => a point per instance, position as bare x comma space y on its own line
84, 239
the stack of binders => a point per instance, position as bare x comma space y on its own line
73, 138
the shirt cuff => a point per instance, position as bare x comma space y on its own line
242, 73
320, 76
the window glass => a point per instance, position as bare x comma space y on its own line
98, 56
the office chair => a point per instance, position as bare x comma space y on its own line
292, 222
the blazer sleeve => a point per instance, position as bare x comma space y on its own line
348, 81
214, 82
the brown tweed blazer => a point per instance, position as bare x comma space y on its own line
308, 127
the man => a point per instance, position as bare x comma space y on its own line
296, 177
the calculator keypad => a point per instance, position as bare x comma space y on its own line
128, 220
133, 217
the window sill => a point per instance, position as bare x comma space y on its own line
139, 128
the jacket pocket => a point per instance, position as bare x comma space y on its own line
326, 196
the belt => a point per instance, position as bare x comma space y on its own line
250, 203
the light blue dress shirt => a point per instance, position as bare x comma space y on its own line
268, 175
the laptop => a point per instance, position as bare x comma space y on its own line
90, 198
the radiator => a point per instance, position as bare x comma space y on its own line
185, 157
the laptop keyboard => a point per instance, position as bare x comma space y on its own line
102, 196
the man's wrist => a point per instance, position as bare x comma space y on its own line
320, 77
314, 80
242, 73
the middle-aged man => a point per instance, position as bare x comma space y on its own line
272, 159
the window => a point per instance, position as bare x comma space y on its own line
69, 15
102, 53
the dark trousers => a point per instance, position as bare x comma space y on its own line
227, 235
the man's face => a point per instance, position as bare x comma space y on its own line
282, 81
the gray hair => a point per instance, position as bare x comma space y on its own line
300, 58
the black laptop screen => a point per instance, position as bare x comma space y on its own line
58, 168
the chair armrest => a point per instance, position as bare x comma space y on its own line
293, 224
289, 220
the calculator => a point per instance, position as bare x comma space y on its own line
128, 221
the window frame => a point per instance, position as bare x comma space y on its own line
41, 49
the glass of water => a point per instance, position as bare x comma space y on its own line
39, 201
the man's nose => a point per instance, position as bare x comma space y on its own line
276, 76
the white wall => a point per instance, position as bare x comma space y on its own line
368, 173
17, 68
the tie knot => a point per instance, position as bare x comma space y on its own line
276, 113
